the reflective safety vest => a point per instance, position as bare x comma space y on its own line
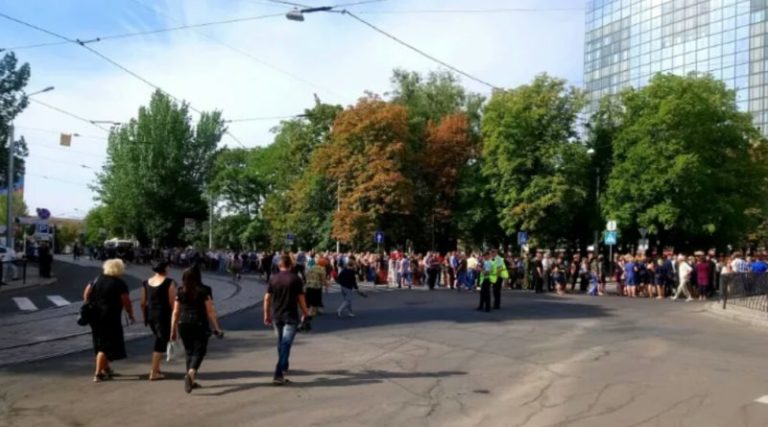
501, 268
488, 275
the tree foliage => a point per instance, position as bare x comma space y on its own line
156, 170
13, 80
534, 166
688, 165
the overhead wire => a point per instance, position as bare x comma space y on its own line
145, 32
56, 132
248, 54
419, 51
70, 114
111, 61
471, 11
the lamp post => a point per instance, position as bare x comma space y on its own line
298, 14
9, 181
591, 152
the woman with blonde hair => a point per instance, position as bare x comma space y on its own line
108, 295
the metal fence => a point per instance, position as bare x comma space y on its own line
748, 290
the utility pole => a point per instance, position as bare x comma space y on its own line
9, 188
210, 221
338, 209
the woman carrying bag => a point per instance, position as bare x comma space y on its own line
157, 297
108, 297
193, 313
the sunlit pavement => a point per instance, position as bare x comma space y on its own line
426, 358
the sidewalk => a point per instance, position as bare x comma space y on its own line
54, 332
33, 279
739, 314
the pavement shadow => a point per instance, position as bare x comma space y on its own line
335, 378
413, 308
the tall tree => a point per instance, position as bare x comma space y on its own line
534, 165
13, 80
156, 169
688, 165
366, 158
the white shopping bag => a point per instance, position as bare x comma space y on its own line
174, 350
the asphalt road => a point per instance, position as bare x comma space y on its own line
71, 280
427, 359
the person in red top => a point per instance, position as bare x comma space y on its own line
703, 273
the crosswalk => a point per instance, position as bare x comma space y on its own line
28, 304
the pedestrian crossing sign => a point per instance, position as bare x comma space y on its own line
610, 238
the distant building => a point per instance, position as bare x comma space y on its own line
629, 41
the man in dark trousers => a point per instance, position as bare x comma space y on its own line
487, 277
45, 259
284, 298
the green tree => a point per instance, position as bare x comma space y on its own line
156, 169
19, 207
535, 167
688, 165
97, 227
13, 80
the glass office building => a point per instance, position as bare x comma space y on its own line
628, 41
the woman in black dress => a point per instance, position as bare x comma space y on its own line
157, 297
109, 294
192, 312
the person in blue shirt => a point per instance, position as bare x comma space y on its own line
760, 266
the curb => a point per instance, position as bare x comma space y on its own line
738, 314
4, 289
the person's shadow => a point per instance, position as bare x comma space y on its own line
335, 378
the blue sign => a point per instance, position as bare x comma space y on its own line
43, 213
378, 237
42, 228
290, 238
610, 238
522, 237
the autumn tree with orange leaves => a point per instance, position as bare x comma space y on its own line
367, 159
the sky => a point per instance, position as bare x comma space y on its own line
262, 68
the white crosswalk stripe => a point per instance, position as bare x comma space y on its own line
58, 300
25, 304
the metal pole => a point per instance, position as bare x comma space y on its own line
210, 221
338, 209
9, 192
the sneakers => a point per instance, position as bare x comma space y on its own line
673, 298
351, 314
689, 299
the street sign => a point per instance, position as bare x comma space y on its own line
642, 244
42, 228
610, 238
43, 213
290, 238
643, 232
378, 237
522, 237
611, 226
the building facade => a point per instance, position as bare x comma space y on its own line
629, 41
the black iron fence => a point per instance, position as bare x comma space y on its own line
748, 290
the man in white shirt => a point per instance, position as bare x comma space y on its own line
684, 276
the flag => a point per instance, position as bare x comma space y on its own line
65, 140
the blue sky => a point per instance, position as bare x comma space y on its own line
286, 63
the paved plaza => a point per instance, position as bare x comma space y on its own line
426, 358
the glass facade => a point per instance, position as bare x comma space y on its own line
628, 41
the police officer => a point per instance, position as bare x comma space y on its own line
487, 274
501, 273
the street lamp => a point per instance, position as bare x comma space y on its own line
591, 153
298, 14
9, 182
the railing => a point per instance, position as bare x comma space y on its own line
748, 290
4, 268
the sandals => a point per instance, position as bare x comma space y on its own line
156, 377
99, 378
188, 383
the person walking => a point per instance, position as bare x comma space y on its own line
487, 278
348, 283
108, 294
193, 314
684, 276
432, 264
158, 294
285, 295
317, 279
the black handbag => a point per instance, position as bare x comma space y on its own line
88, 312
